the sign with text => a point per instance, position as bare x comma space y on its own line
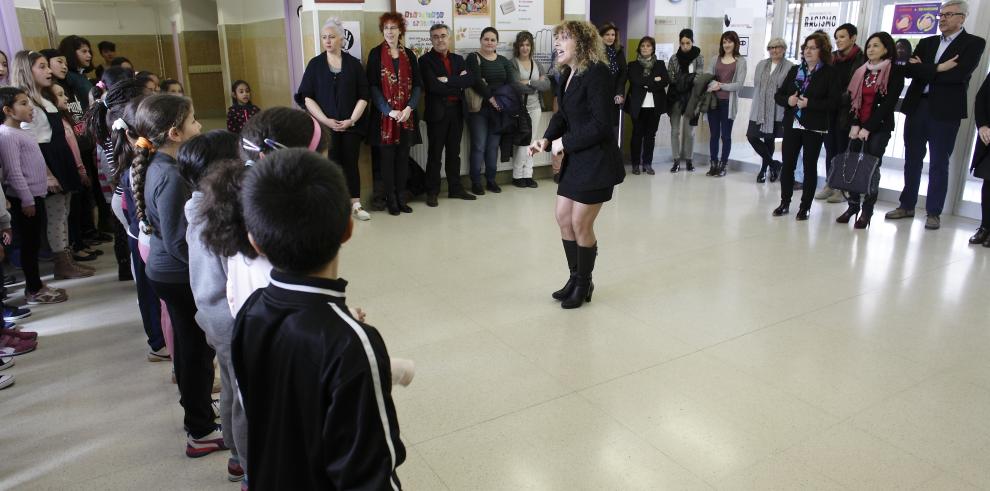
917, 19
518, 15
420, 15
419, 42
818, 19
467, 33
740, 21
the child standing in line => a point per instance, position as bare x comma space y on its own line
314, 380
26, 176
242, 110
162, 124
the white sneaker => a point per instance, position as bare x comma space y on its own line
359, 213
403, 371
6, 362
837, 197
825, 193
6, 381
160, 355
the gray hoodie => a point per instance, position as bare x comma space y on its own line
208, 278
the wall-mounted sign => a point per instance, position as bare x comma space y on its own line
918, 19
420, 15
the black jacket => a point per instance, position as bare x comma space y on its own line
431, 67
316, 387
981, 156
823, 96
592, 159
882, 117
640, 85
374, 73
336, 95
947, 95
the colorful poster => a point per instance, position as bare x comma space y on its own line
352, 38
505, 41
543, 51
519, 15
419, 42
420, 15
475, 8
467, 33
740, 21
916, 19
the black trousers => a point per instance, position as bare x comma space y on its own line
796, 141
445, 134
762, 143
644, 136
29, 230
395, 165
876, 145
345, 148
986, 203
192, 358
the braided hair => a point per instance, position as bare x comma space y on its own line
100, 116
156, 116
121, 147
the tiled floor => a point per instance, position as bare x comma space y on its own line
724, 348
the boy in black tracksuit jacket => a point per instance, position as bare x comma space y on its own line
314, 380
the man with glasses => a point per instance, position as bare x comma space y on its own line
940, 70
445, 77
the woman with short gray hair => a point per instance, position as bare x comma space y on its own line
765, 114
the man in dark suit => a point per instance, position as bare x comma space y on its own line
445, 77
940, 70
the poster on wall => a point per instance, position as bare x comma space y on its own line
420, 15
352, 38
475, 8
665, 51
467, 33
419, 42
543, 49
818, 18
740, 21
505, 41
519, 14
916, 19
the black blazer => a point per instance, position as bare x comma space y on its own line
336, 94
584, 121
431, 66
947, 95
374, 74
823, 96
981, 155
882, 117
640, 85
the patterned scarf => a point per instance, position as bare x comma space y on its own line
880, 78
765, 109
397, 89
803, 79
613, 59
647, 62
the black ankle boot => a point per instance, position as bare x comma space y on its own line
392, 203
803, 213
124, 271
762, 176
676, 167
849, 214
571, 252
712, 167
783, 209
583, 287
721, 169
981, 236
689, 166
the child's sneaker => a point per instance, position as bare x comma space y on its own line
28, 335
11, 314
403, 371
6, 362
20, 346
6, 381
159, 355
234, 470
199, 447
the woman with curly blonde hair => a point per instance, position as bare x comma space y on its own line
581, 131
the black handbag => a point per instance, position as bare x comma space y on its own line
853, 172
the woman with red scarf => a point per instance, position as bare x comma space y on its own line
847, 58
393, 74
873, 93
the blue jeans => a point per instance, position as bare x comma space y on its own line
484, 145
921, 132
721, 127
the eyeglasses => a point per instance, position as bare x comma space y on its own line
950, 15
774, 47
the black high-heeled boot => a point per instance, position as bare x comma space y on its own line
676, 167
689, 165
762, 176
571, 252
850, 213
583, 287
863, 221
721, 169
712, 167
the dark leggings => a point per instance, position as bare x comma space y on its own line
986, 203
148, 302
29, 229
192, 358
395, 166
797, 141
876, 145
345, 148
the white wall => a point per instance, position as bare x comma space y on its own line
86, 20
576, 7
28, 4
259, 10
199, 15
664, 8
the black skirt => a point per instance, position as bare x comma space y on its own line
588, 197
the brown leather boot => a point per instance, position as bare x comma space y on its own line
66, 270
